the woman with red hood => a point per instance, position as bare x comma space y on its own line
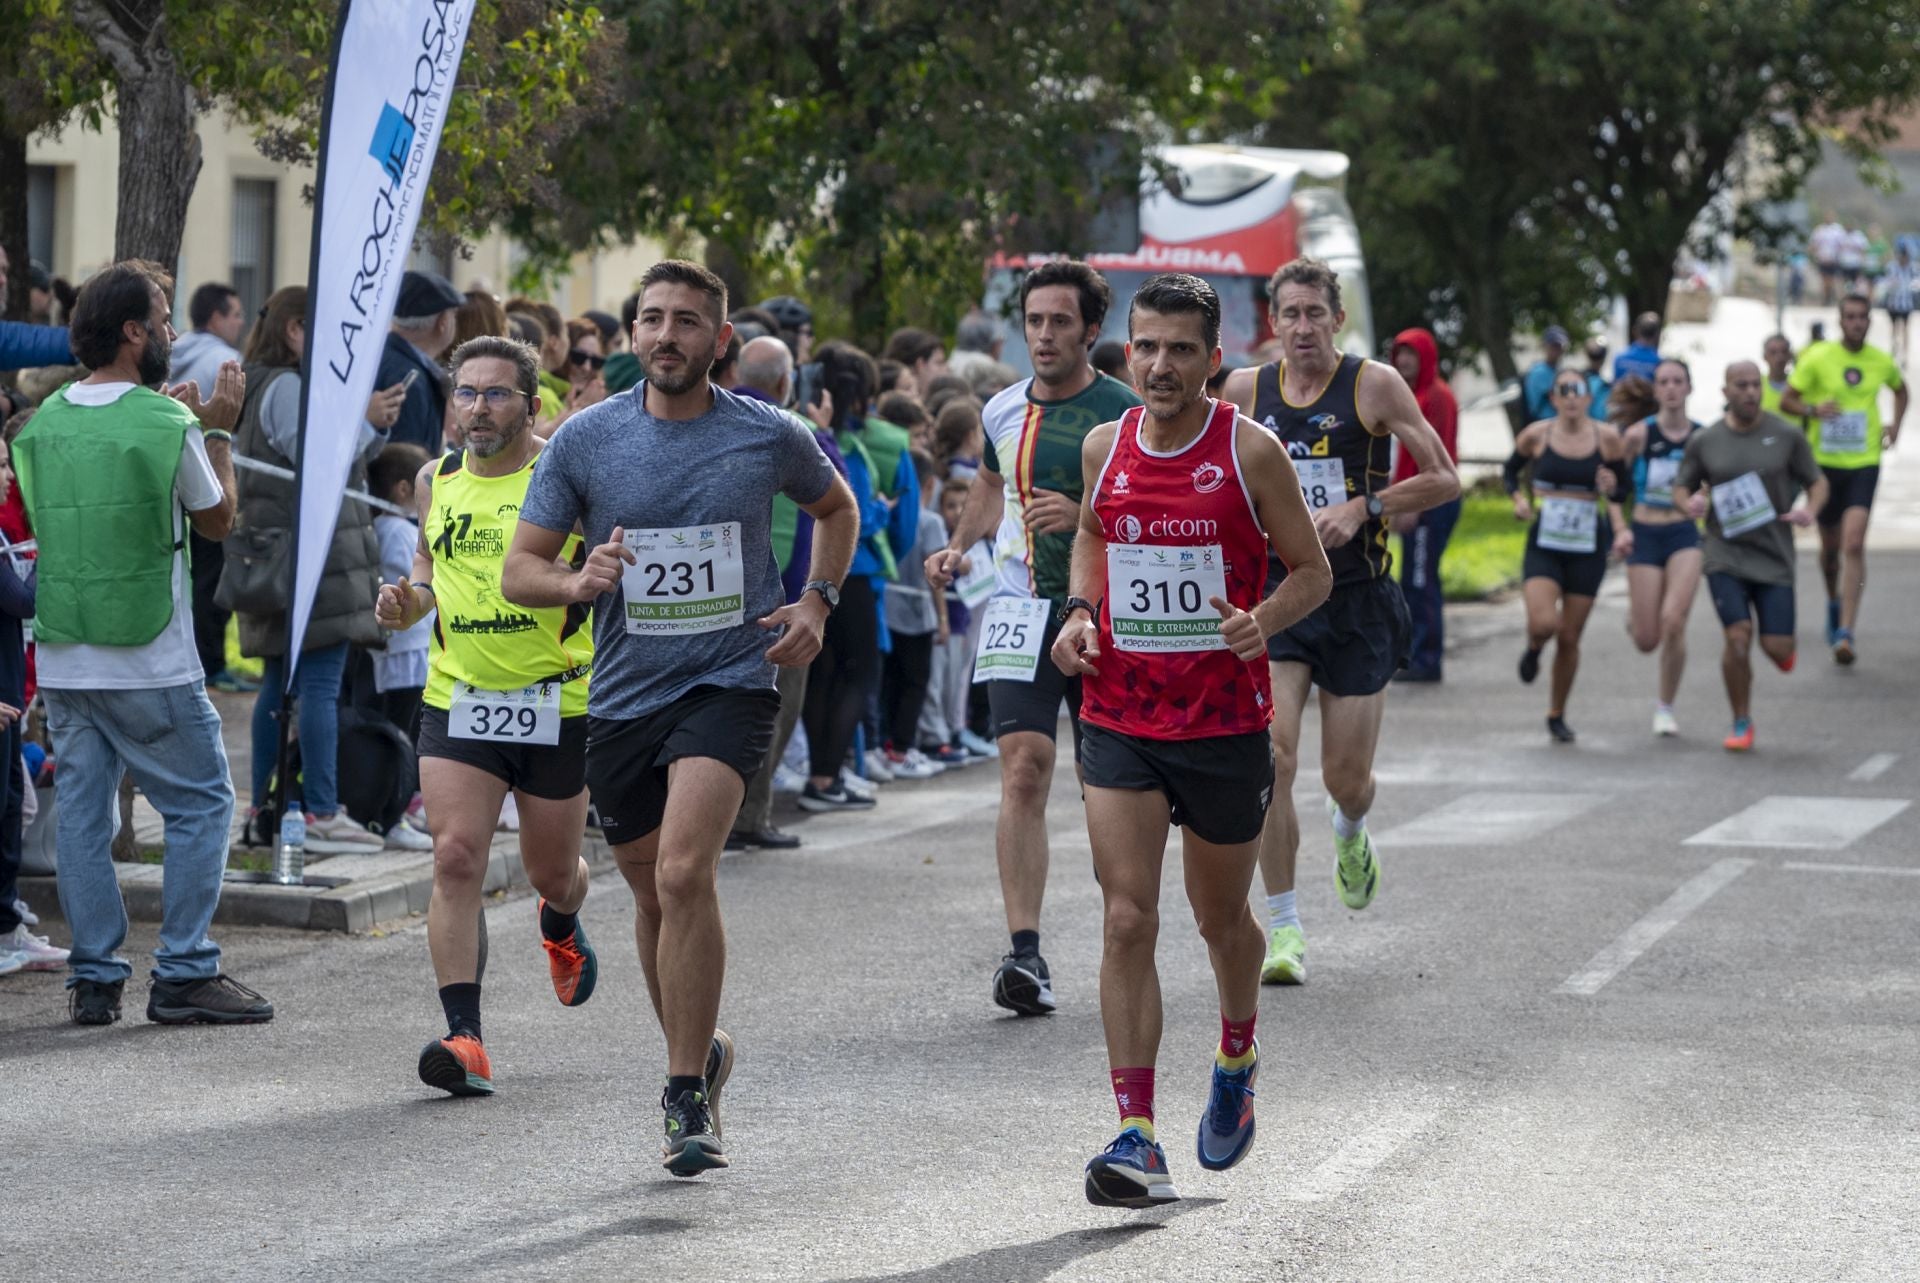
1424, 535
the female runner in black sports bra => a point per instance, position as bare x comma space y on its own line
1568, 457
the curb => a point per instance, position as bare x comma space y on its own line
355, 906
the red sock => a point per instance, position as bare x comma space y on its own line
1236, 1037
1786, 665
1133, 1093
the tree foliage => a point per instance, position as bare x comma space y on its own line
887, 142
533, 74
1515, 165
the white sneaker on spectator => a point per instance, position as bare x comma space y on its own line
338, 834
876, 766
855, 785
34, 952
12, 962
977, 746
27, 915
788, 780
913, 765
509, 814
404, 837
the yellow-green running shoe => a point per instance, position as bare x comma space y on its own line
1356, 868
1286, 962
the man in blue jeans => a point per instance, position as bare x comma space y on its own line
112, 473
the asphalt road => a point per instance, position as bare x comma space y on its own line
1566, 1041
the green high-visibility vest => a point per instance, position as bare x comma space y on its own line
98, 482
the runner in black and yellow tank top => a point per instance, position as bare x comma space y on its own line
1338, 416
505, 705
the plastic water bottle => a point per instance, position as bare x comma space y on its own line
290, 867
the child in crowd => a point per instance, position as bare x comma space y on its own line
958, 439
400, 671
943, 719
917, 620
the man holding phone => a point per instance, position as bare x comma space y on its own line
422, 331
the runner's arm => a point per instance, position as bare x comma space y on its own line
534, 576
1239, 388
836, 531
1892, 432
1386, 400
1282, 511
1613, 455
414, 596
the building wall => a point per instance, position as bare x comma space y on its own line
86, 184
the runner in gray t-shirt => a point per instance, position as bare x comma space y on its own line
672, 485
1742, 475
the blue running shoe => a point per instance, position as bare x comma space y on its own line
1833, 622
1226, 1129
1131, 1172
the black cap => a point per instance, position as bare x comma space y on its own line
426, 294
789, 311
37, 276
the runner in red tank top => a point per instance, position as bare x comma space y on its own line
1184, 498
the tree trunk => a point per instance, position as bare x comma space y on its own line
730, 266
13, 220
159, 161
1649, 278
1493, 325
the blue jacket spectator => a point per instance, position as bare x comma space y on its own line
22, 346
1538, 386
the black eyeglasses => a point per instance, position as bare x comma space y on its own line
581, 358
496, 398
1569, 389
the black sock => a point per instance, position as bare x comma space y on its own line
462, 1005
680, 1083
555, 925
1026, 944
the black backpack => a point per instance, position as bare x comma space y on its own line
379, 773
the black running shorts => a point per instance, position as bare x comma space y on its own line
553, 771
1035, 705
1847, 488
627, 758
1219, 786
1354, 643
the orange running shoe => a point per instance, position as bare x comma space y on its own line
458, 1065
572, 963
1742, 738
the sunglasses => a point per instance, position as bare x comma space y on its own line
1569, 389
591, 362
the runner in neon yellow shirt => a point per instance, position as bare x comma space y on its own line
1839, 385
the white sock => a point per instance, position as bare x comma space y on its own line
1344, 827
1280, 911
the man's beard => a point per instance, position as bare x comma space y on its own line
507, 436
155, 357
693, 372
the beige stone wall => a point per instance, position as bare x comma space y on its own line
87, 189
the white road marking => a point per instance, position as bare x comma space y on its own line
1354, 1161
1645, 933
835, 832
1811, 866
1813, 823
1487, 819
1874, 767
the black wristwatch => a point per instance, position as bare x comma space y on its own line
828, 593
1375, 507
1078, 603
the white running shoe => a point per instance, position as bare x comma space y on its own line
978, 746
855, 785
1664, 722
788, 780
913, 765
27, 915
404, 837
12, 962
338, 834
878, 769
34, 952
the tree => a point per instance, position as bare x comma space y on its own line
532, 74
884, 143
1688, 99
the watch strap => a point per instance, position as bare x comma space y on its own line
1078, 603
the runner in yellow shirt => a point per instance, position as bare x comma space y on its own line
1839, 384
505, 705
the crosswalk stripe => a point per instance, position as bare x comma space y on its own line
1645, 933
1812, 866
1483, 819
1354, 1161
1812, 823
1874, 767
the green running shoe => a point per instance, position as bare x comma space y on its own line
1286, 962
1356, 869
